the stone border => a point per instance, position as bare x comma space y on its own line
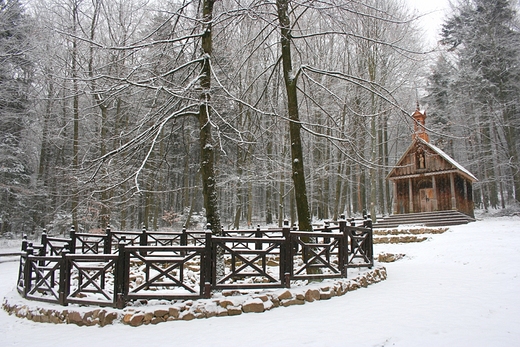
418, 230
227, 303
406, 235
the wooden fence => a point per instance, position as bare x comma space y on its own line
117, 267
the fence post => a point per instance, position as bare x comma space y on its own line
287, 259
367, 223
143, 241
258, 235
208, 265
24, 243
369, 243
43, 241
27, 271
343, 254
348, 243
107, 246
184, 236
120, 277
72, 236
64, 285
43, 250
326, 229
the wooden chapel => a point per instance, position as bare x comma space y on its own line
425, 179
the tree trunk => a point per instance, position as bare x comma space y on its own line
298, 173
207, 150
75, 111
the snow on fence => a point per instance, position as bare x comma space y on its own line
118, 267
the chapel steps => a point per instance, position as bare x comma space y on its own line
428, 219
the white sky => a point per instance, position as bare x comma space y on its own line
435, 13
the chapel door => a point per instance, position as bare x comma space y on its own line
426, 196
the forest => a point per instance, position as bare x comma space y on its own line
164, 114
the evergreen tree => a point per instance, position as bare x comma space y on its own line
15, 70
483, 91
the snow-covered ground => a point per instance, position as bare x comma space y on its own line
460, 288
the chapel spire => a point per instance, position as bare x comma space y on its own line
418, 126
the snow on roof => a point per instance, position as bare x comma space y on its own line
449, 159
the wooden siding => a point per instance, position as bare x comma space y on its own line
410, 165
423, 183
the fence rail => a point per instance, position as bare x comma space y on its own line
117, 267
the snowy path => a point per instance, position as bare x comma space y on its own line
461, 288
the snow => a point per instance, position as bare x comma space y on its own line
460, 288
433, 14
450, 160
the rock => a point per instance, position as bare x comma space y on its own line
20, 312
230, 292
285, 295
54, 319
160, 312
383, 274
187, 315
353, 286
101, 317
325, 295
221, 311
174, 312
274, 299
268, 305
194, 268
225, 303
292, 301
88, 319
271, 262
234, 310
211, 309
157, 320
137, 319
253, 305
127, 317
312, 295
107, 318
75, 318
263, 297
148, 316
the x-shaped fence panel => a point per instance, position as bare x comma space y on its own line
91, 279
248, 263
42, 278
128, 237
360, 245
317, 255
54, 245
196, 238
163, 239
165, 272
20, 283
90, 243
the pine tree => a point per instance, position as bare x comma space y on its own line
485, 88
15, 70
